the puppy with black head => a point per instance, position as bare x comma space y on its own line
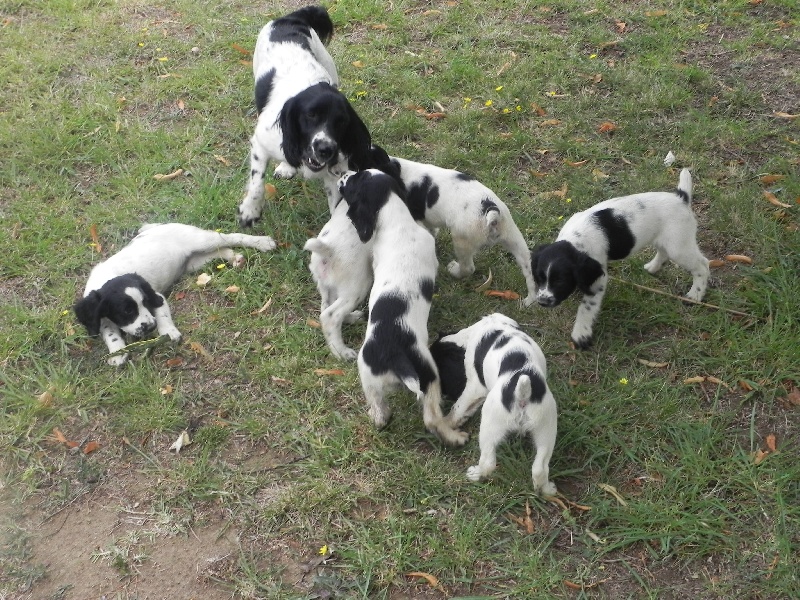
404, 267
494, 364
304, 122
474, 215
613, 230
125, 293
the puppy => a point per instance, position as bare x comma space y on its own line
473, 213
404, 266
304, 121
495, 364
125, 293
341, 265
613, 230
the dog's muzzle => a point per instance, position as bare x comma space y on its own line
322, 152
546, 300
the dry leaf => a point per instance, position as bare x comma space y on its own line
180, 295
714, 380
435, 116
505, 294
358, 64
621, 26
783, 115
772, 199
203, 279
485, 285
655, 13
198, 348
176, 361
90, 447
549, 123
573, 585
771, 442
715, 263
168, 177
95, 237
427, 13
649, 363
62, 439
380, 26
759, 456
261, 310
538, 109
221, 159
313, 323
241, 50
597, 78
575, 163
322, 372
597, 175
183, 440
232, 289
740, 258
794, 397
697, 379
432, 581
46, 397
606, 127
770, 179
745, 386
181, 104
613, 491
166, 390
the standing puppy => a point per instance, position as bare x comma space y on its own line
341, 265
473, 213
404, 267
125, 293
495, 364
613, 230
304, 121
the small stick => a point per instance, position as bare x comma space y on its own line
685, 299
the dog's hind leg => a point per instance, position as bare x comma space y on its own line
691, 259
465, 250
470, 401
494, 427
331, 319
514, 242
543, 435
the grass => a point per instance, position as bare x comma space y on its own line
91, 112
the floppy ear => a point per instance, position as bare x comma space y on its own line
356, 143
587, 271
88, 312
293, 142
535, 257
152, 299
361, 210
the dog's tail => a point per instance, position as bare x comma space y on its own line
318, 246
685, 186
529, 388
491, 215
318, 19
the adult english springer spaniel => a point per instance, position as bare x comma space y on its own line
304, 121
613, 230
125, 293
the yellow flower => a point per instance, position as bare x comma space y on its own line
506, 111
518, 107
593, 56
623, 381
498, 88
163, 59
488, 103
568, 200
324, 550
221, 266
467, 99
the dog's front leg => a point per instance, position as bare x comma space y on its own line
464, 265
114, 339
253, 204
164, 322
587, 313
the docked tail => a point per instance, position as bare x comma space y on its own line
522, 393
319, 247
685, 186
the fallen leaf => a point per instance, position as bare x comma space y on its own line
598, 175
322, 372
715, 380
697, 379
435, 116
549, 123
198, 348
505, 294
621, 26
90, 447
313, 323
772, 199
575, 163
759, 456
485, 285
166, 390
529, 525
62, 439
203, 279
95, 237
655, 365
221, 159
538, 109
427, 13
240, 50
181, 104
183, 440
606, 127
168, 177
380, 26
432, 581
794, 396
280, 381
715, 263
176, 361
770, 179
270, 190
783, 115
46, 397
263, 309
180, 295
613, 491
232, 289
358, 64
562, 193
655, 13
745, 386
740, 258
771, 442
572, 585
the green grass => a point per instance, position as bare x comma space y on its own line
89, 113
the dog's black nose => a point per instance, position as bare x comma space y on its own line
148, 327
548, 302
325, 150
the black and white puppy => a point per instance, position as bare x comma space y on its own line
304, 121
404, 266
341, 265
472, 212
613, 230
495, 364
125, 293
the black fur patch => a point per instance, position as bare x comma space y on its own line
513, 361
615, 228
264, 89
426, 288
482, 349
421, 196
488, 205
296, 27
367, 192
538, 388
449, 358
391, 347
464, 177
683, 196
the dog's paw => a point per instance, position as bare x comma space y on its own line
583, 342
653, 267
548, 489
474, 473
118, 361
354, 317
345, 353
247, 216
695, 294
265, 243
379, 416
451, 436
456, 270
528, 301
173, 334
285, 171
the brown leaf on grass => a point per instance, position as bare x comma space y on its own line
95, 238
745, 386
530, 527
280, 381
739, 258
538, 109
322, 372
232, 289
783, 115
380, 26
696, 379
606, 127
168, 176
432, 581
504, 294
240, 50
578, 163
759, 456
90, 447
572, 585
180, 295
562, 193
772, 199
621, 26
716, 263
358, 64
793, 397
770, 440
175, 361
715, 380
221, 159
203, 279
549, 123
597, 78
770, 179
613, 491
263, 309
650, 363
62, 439
181, 104
270, 190
435, 116
313, 323
198, 348
655, 13
46, 397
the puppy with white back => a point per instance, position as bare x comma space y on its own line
613, 230
494, 364
474, 215
125, 293
304, 121
404, 265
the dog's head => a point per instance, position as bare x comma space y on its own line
366, 192
559, 269
449, 357
127, 301
321, 129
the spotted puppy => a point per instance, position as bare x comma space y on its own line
495, 364
404, 266
613, 230
473, 213
125, 293
341, 265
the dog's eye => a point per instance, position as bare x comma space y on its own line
312, 115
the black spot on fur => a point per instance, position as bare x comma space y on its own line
264, 89
513, 361
421, 196
464, 177
482, 349
488, 205
683, 196
426, 288
449, 358
501, 341
391, 347
615, 228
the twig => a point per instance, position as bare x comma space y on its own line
685, 299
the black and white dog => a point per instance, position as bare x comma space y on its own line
304, 121
472, 212
341, 265
495, 364
125, 293
404, 265
613, 230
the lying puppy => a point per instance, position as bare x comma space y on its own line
613, 230
304, 121
404, 265
495, 364
125, 292
473, 213
341, 265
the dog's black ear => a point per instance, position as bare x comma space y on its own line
293, 142
88, 310
356, 142
362, 211
152, 299
587, 271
